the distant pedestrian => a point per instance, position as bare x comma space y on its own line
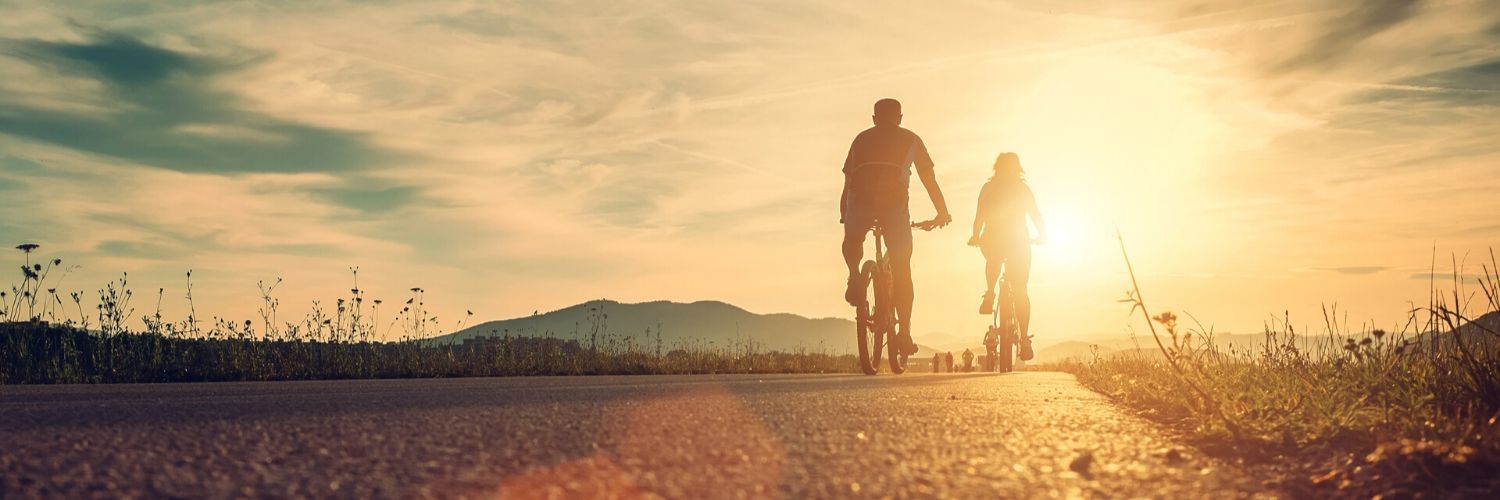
937, 362
968, 360
948, 362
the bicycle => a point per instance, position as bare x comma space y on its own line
1003, 334
875, 326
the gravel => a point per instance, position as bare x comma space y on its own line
1028, 434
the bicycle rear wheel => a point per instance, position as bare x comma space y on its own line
1008, 330
886, 313
868, 332
1005, 362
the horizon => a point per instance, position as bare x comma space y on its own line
1258, 160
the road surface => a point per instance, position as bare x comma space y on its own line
1030, 434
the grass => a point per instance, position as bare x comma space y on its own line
1359, 412
45, 339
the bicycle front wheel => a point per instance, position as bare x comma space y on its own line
1006, 361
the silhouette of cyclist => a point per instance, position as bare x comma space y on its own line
1001, 234
877, 175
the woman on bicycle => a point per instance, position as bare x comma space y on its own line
1001, 234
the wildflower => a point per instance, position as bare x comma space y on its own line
27, 247
1378, 333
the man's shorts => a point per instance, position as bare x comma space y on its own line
894, 222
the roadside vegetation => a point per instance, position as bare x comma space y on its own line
53, 336
1367, 412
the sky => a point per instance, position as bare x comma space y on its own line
1259, 159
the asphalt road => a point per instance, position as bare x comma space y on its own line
916, 435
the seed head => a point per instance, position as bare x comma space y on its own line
27, 247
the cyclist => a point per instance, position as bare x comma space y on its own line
877, 174
1001, 234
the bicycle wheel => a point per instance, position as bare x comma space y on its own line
886, 306
1003, 355
991, 356
868, 333
1008, 330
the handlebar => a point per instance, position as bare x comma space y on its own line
928, 225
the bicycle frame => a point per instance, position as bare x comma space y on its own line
875, 319
1004, 332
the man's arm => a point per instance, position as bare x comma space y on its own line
979, 211
844, 200
923, 161
929, 181
844, 196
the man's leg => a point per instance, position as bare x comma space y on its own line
854, 248
854, 251
898, 249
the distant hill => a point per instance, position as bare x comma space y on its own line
678, 324
948, 341
1254, 343
718, 324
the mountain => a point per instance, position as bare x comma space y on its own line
701, 324
950, 342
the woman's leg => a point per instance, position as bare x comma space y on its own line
1018, 274
992, 262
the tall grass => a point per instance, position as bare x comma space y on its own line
1364, 410
42, 340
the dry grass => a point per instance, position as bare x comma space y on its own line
1369, 411
44, 339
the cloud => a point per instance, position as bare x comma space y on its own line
1353, 269
524, 155
1484, 230
371, 200
1447, 278
169, 111
1366, 19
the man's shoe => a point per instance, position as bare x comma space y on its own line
988, 304
1025, 351
908, 347
855, 294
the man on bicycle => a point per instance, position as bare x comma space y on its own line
877, 175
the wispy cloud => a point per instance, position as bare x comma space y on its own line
523, 155
1353, 269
